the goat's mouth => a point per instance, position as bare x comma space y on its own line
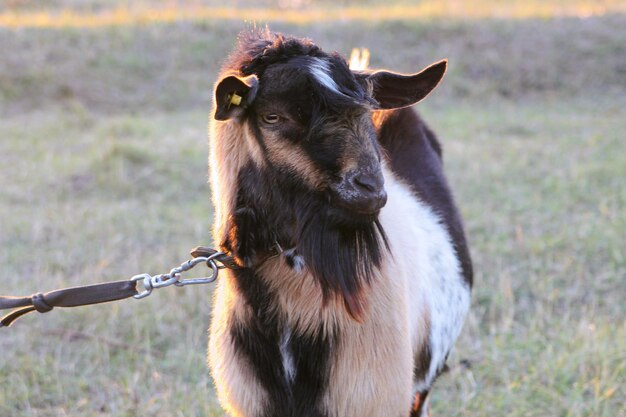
356, 212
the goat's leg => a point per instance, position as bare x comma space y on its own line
420, 405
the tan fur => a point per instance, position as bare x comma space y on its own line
372, 367
238, 391
227, 156
380, 116
282, 153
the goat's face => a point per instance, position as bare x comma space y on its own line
314, 133
310, 117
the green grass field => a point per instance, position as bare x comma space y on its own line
103, 175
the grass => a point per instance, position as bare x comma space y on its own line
170, 67
103, 175
301, 12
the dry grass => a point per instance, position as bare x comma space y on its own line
170, 67
103, 175
306, 13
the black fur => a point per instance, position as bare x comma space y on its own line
422, 363
342, 257
257, 50
258, 340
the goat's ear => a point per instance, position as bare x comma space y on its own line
233, 94
392, 90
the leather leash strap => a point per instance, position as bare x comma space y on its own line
67, 297
90, 294
224, 259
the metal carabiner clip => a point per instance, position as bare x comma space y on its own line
203, 280
147, 285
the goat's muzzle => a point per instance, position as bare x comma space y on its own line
361, 193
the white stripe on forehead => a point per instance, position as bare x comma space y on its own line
320, 70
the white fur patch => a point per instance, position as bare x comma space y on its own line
296, 260
422, 244
320, 70
285, 353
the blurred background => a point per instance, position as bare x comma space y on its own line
103, 175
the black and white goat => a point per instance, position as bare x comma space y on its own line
330, 194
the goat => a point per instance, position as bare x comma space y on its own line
329, 193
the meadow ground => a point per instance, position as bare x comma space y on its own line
103, 175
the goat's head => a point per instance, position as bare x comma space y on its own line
311, 117
308, 118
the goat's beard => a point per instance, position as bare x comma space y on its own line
342, 257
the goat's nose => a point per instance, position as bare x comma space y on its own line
370, 193
367, 182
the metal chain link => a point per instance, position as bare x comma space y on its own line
150, 282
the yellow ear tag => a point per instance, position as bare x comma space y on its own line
235, 99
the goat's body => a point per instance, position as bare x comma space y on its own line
277, 348
435, 244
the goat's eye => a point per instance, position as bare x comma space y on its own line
270, 118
